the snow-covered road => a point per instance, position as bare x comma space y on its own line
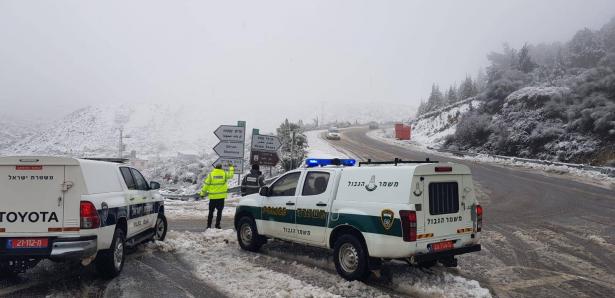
290, 270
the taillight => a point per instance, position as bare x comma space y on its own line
479, 218
408, 225
444, 169
89, 216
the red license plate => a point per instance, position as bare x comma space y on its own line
440, 246
18, 243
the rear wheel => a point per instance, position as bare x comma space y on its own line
6, 270
109, 263
160, 229
428, 264
248, 236
350, 257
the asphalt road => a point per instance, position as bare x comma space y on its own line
543, 236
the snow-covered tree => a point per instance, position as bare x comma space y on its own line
467, 88
451, 95
525, 63
436, 99
294, 144
586, 49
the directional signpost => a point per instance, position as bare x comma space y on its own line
264, 149
264, 158
231, 145
265, 143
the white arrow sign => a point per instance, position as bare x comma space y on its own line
236, 162
230, 150
229, 133
266, 143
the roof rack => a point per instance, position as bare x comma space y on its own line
395, 162
108, 159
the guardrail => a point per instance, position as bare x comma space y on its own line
234, 189
609, 171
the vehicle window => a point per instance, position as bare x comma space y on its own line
443, 198
130, 181
139, 180
285, 186
315, 183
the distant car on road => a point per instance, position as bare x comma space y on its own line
65, 209
373, 125
333, 134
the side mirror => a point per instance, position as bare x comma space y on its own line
264, 191
154, 185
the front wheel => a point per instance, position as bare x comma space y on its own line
160, 229
350, 257
110, 262
248, 236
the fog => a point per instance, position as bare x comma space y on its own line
257, 56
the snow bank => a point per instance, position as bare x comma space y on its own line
237, 273
536, 96
191, 209
219, 261
438, 283
431, 129
385, 135
321, 148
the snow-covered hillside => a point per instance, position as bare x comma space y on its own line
94, 131
432, 128
166, 129
13, 130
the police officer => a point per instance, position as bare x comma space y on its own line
215, 186
252, 182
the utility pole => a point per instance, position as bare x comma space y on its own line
121, 148
292, 151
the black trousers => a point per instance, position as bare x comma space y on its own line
215, 205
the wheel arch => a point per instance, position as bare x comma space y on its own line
122, 223
346, 230
241, 214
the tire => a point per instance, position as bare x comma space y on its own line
428, 264
247, 235
350, 257
7, 271
160, 229
109, 263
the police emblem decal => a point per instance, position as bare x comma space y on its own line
371, 186
387, 218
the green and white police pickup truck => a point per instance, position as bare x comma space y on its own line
421, 212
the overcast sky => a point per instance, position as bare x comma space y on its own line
56, 56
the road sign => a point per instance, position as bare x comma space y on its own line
229, 133
236, 162
229, 150
231, 146
266, 143
264, 158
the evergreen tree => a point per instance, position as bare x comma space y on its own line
586, 49
451, 95
294, 144
436, 99
467, 89
525, 63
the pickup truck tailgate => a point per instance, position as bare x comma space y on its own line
31, 198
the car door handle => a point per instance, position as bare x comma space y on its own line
321, 204
290, 204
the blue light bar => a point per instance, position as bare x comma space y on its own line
321, 162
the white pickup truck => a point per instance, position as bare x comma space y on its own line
74, 209
422, 212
